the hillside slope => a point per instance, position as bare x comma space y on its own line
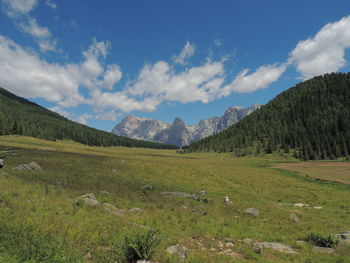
312, 118
22, 117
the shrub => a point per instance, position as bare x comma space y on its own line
321, 241
140, 244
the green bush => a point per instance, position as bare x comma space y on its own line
321, 241
140, 244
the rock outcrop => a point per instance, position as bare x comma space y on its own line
178, 133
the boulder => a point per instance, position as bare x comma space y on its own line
200, 210
293, 218
247, 241
112, 210
32, 166
252, 212
147, 187
280, 247
89, 200
180, 251
301, 205
343, 237
135, 210
176, 194
35, 166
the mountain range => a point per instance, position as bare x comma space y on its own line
178, 133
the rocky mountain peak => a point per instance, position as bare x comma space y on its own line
178, 132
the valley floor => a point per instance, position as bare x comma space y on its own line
40, 221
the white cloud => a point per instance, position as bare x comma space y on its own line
260, 79
23, 72
195, 84
218, 42
82, 119
112, 75
19, 10
323, 53
186, 53
15, 8
51, 4
61, 111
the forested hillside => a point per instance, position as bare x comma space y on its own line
22, 117
310, 120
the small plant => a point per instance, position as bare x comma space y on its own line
321, 241
140, 244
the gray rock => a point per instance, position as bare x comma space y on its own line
90, 196
343, 237
293, 218
112, 210
280, 247
252, 212
89, 200
176, 194
32, 166
135, 210
323, 250
178, 132
35, 166
180, 251
200, 210
247, 241
147, 187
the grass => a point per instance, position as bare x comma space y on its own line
40, 227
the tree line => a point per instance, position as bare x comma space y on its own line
22, 117
310, 120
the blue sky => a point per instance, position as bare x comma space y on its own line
98, 61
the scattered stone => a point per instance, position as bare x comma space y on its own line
285, 204
284, 248
301, 205
111, 209
229, 244
236, 216
318, 207
104, 193
135, 210
35, 166
252, 212
301, 242
200, 210
327, 250
343, 237
89, 200
180, 251
293, 218
176, 194
147, 187
248, 241
32, 166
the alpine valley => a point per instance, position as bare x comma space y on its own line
178, 133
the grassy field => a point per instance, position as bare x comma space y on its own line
329, 171
39, 222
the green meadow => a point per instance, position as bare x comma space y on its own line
40, 221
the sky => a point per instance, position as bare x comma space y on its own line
96, 62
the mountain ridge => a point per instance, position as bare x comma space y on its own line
177, 132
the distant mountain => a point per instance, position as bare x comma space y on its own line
22, 117
310, 120
178, 133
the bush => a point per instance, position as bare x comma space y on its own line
140, 244
321, 241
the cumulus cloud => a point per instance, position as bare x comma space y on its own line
15, 8
19, 10
51, 4
23, 72
323, 53
185, 54
260, 79
195, 84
